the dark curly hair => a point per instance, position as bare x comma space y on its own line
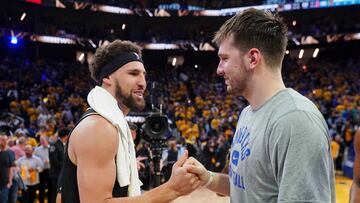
105, 54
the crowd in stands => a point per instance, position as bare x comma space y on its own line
334, 86
46, 96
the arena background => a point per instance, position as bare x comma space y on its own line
46, 47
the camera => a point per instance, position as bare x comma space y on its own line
156, 127
155, 131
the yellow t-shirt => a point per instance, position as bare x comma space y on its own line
215, 123
31, 141
335, 147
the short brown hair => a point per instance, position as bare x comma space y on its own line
105, 54
257, 29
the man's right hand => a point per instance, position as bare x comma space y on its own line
195, 167
181, 181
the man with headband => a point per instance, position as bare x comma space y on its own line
100, 162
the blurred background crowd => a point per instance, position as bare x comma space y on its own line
43, 88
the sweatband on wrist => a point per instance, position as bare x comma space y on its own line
210, 179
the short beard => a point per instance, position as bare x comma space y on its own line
239, 90
243, 83
128, 101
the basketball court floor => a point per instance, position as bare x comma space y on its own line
343, 185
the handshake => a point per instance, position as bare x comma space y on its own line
187, 175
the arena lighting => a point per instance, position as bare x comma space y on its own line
81, 57
304, 67
196, 66
51, 39
194, 47
295, 41
92, 43
13, 40
161, 46
316, 51
149, 13
22, 16
123, 26
161, 13
173, 61
113, 9
294, 22
34, 1
233, 11
163, 8
301, 53
308, 40
287, 52
356, 36
209, 13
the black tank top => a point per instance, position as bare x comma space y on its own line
69, 186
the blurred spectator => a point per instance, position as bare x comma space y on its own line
6, 162
43, 153
340, 157
30, 167
22, 131
335, 148
19, 148
56, 157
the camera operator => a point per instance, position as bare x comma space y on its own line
143, 157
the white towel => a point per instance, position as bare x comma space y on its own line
106, 105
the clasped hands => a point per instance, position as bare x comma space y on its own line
187, 175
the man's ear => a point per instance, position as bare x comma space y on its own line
106, 80
254, 58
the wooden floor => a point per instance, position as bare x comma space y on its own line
343, 185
